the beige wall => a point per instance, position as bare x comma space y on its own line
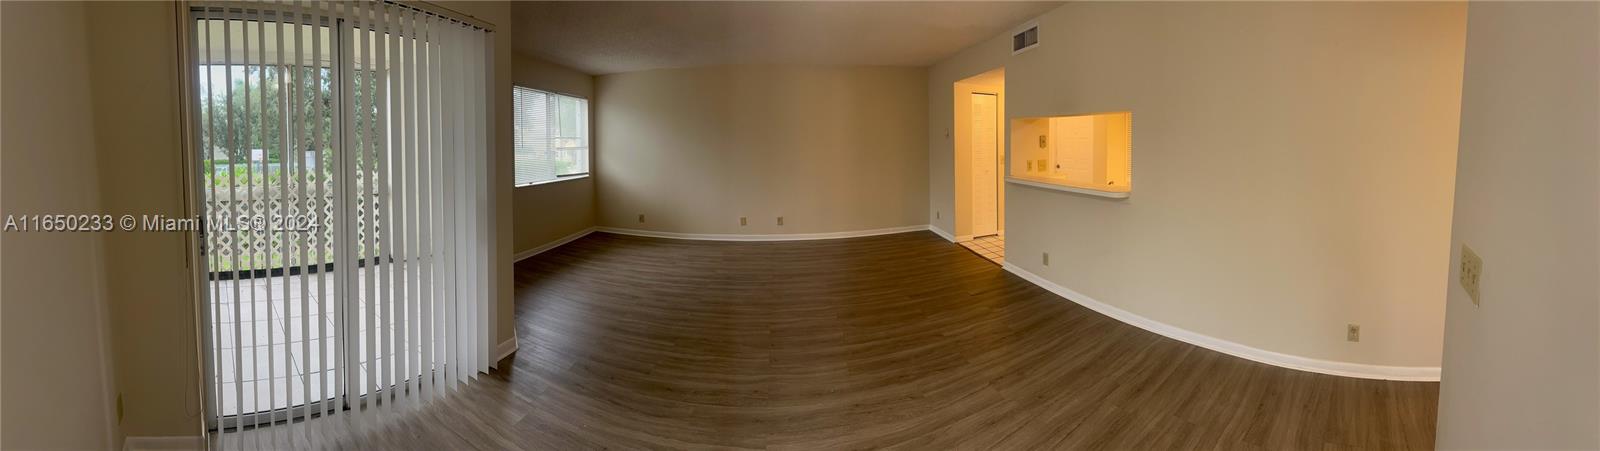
1522, 371
57, 388
551, 211
947, 199
133, 50
1293, 168
141, 172
830, 149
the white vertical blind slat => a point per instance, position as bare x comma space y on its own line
463, 147
425, 60
468, 199
386, 350
368, 267
303, 204
442, 290
263, 310
438, 37
346, 215
448, 57
286, 165
413, 312
323, 214
480, 251
209, 144
252, 127
233, 207
403, 177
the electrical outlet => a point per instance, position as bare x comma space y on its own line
1352, 332
780, 220
1471, 272
743, 221
641, 218
1047, 259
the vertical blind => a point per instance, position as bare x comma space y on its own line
344, 158
552, 135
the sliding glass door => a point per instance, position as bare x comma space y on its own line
342, 161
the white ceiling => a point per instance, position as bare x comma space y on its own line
612, 37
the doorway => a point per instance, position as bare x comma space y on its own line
979, 131
338, 165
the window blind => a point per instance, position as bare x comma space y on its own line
551, 135
344, 152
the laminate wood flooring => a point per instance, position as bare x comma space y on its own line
898, 341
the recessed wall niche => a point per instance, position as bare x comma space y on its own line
1089, 153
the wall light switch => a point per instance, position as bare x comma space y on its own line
780, 220
641, 218
1047, 259
1042, 141
936, 215
1471, 272
743, 221
1352, 332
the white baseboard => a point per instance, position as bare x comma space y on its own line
505, 348
1364, 371
520, 256
763, 237
183, 442
938, 231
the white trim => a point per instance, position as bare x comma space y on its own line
163, 443
765, 237
505, 348
1358, 370
938, 231
1070, 189
520, 256
559, 179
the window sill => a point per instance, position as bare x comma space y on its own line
1070, 189
555, 180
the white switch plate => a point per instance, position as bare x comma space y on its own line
1471, 272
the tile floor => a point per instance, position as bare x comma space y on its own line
992, 247
273, 363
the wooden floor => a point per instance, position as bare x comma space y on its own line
901, 340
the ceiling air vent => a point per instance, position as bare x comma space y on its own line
1025, 39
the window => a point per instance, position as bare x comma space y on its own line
552, 136
1090, 154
